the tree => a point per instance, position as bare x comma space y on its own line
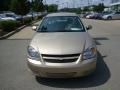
101, 7
4, 5
95, 8
45, 7
37, 5
98, 8
78, 10
20, 7
86, 9
52, 8
74, 10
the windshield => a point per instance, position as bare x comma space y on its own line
61, 24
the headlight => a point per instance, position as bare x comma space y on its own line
32, 52
89, 53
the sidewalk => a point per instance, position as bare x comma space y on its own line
25, 33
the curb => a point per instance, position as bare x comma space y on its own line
15, 31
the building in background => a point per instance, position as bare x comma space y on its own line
115, 5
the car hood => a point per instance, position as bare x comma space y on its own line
61, 43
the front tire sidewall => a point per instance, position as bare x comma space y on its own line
109, 18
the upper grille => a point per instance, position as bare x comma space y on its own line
67, 58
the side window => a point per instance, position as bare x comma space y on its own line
117, 13
8, 15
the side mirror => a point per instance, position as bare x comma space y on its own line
34, 28
89, 27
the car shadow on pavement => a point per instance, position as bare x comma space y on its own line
100, 77
98, 39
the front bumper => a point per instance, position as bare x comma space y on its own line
104, 18
62, 70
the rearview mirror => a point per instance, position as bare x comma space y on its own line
89, 27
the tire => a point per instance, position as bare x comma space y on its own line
109, 18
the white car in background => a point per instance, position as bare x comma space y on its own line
114, 15
4, 18
10, 16
13, 15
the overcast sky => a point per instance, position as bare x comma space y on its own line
75, 3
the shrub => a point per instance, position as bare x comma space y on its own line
9, 25
27, 20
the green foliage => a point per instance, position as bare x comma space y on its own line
37, 5
9, 25
101, 7
86, 9
74, 10
4, 5
27, 20
79, 10
46, 7
52, 8
98, 8
20, 7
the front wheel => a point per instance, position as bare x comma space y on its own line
109, 18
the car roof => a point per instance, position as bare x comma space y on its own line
61, 14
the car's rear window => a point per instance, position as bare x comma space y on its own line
61, 24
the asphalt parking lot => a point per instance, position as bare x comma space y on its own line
14, 74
